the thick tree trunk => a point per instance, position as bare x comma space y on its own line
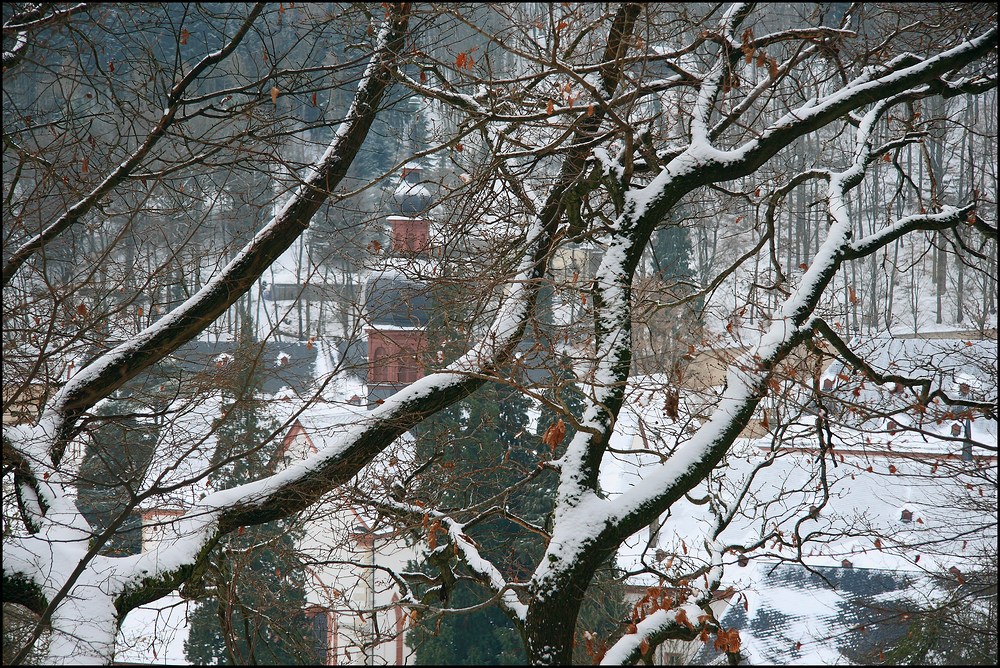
549, 628
550, 624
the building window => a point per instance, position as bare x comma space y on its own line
407, 374
378, 365
324, 635
906, 516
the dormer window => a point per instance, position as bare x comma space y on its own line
906, 515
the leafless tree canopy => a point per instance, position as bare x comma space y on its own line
624, 197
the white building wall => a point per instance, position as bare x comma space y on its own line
349, 577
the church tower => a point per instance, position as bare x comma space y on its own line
396, 304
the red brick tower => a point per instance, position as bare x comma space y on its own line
396, 306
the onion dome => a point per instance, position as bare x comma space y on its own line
411, 197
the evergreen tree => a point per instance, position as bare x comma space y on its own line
669, 331
672, 254
488, 440
256, 614
671, 250
957, 628
483, 446
114, 463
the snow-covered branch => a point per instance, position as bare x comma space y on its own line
82, 590
684, 622
947, 218
584, 521
22, 24
636, 144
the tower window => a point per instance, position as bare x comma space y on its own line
378, 370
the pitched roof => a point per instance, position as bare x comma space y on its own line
955, 365
396, 301
789, 615
869, 487
281, 363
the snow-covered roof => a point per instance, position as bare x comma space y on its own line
789, 615
296, 371
393, 300
412, 198
951, 364
184, 450
943, 360
324, 423
410, 268
867, 492
403, 219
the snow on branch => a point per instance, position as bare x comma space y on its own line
64, 562
34, 18
683, 622
468, 552
711, 83
114, 368
670, 614
303, 482
747, 380
948, 217
445, 534
583, 521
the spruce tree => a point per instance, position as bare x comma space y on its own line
256, 614
114, 463
484, 447
487, 439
